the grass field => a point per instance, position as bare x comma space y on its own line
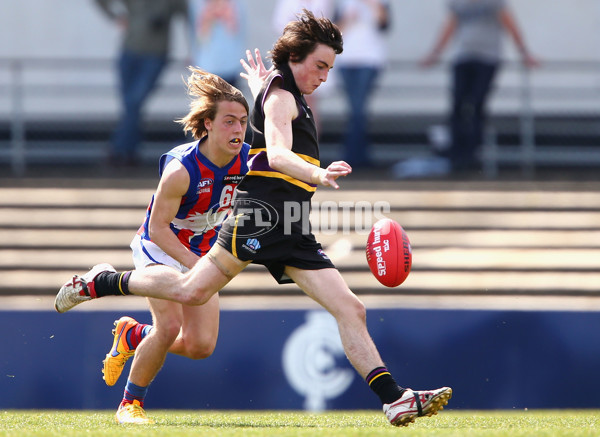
287, 424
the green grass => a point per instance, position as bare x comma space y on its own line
22, 423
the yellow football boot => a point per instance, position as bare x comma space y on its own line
132, 413
120, 352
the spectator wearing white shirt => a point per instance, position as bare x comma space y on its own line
363, 24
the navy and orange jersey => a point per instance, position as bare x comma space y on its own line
279, 187
208, 199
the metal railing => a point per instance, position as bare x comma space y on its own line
76, 89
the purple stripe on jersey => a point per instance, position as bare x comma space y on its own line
260, 162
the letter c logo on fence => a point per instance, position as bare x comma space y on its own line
309, 361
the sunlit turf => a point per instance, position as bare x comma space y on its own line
291, 423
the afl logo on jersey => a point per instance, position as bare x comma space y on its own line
204, 185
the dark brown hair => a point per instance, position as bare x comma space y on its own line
207, 90
300, 38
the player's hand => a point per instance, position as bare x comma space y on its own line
429, 61
328, 176
256, 72
530, 61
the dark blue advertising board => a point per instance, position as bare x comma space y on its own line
292, 359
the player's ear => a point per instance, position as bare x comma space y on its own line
208, 124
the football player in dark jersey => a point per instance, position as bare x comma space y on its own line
269, 224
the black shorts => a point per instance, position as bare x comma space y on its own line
274, 248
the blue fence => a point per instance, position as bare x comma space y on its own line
290, 359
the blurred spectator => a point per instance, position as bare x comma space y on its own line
478, 26
286, 11
219, 37
363, 24
146, 29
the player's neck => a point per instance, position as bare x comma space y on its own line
214, 154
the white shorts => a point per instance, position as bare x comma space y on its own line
146, 253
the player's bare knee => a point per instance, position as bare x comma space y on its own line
167, 330
200, 351
196, 295
350, 310
192, 292
361, 311
356, 309
199, 344
192, 299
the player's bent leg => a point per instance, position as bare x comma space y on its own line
195, 287
167, 319
199, 331
157, 281
149, 358
120, 351
209, 276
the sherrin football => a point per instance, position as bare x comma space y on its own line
389, 253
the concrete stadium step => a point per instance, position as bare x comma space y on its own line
442, 259
323, 222
478, 196
96, 239
541, 240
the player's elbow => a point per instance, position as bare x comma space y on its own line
277, 161
155, 232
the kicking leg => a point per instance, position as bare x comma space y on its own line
401, 406
211, 273
195, 287
328, 288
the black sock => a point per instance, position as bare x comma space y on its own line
383, 384
112, 284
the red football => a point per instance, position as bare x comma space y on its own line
389, 253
